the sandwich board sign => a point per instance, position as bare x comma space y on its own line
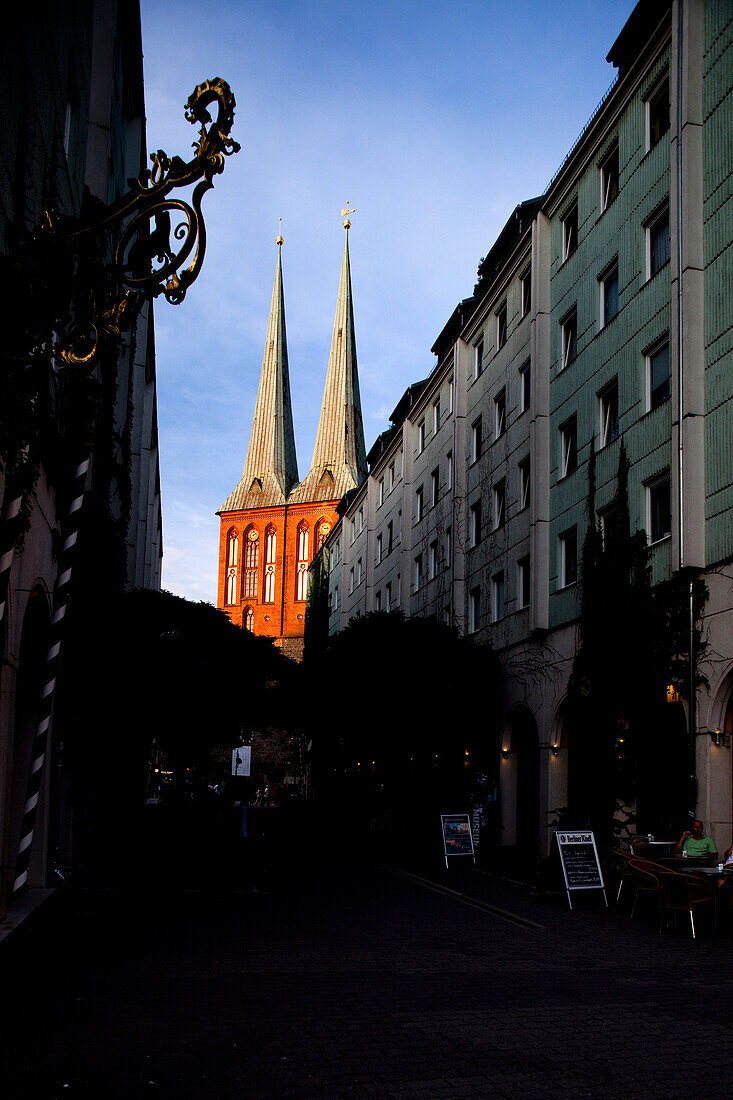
580, 863
457, 836
242, 760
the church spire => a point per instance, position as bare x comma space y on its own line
339, 456
271, 468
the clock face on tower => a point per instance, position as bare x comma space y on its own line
252, 535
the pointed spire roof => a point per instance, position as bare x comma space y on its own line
271, 467
339, 456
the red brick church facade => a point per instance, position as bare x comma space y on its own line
272, 523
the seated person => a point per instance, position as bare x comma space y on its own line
695, 844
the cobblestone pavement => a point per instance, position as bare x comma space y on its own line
365, 985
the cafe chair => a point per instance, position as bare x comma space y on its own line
682, 894
646, 882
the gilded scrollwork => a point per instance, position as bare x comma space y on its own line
153, 235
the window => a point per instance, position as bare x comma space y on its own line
436, 417
434, 486
251, 563
525, 386
248, 620
476, 440
270, 554
433, 560
524, 469
570, 232
658, 375
568, 558
390, 477
569, 447
418, 572
232, 566
659, 508
608, 283
448, 546
657, 108
569, 329
478, 362
301, 563
497, 596
351, 580
421, 437
450, 395
449, 477
390, 531
475, 523
658, 242
609, 178
378, 601
500, 413
379, 548
353, 530
335, 604
523, 581
610, 525
474, 610
388, 596
380, 492
526, 281
322, 532
608, 408
419, 505
501, 326
361, 520
359, 571
499, 499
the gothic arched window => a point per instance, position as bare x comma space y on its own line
251, 563
232, 566
301, 583
248, 619
270, 552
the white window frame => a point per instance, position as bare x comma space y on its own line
570, 223
475, 518
421, 437
603, 278
478, 358
567, 343
379, 547
433, 560
566, 438
435, 487
476, 440
502, 315
523, 571
648, 356
564, 540
661, 479
525, 284
500, 413
499, 503
436, 416
419, 504
450, 395
474, 610
449, 475
390, 475
606, 432
380, 492
525, 382
662, 85
606, 176
660, 215
525, 474
419, 579
359, 571
498, 588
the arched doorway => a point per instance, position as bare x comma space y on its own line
28, 685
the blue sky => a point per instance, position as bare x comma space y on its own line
432, 119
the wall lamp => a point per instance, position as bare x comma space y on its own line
719, 737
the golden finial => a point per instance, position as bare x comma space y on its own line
345, 213
279, 238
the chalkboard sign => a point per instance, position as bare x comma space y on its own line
579, 859
457, 836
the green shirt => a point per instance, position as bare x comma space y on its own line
699, 846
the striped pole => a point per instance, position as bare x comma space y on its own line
60, 602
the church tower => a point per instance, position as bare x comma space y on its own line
271, 524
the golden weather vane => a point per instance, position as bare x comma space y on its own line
346, 214
279, 238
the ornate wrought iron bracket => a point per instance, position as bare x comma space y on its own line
153, 235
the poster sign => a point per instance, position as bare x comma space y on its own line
242, 760
457, 836
580, 864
